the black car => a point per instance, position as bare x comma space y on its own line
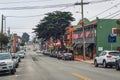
118, 63
68, 56
59, 55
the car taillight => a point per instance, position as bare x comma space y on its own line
109, 56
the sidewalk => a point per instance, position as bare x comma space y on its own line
86, 61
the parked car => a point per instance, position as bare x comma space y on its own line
7, 64
60, 55
23, 51
118, 63
54, 53
16, 58
68, 56
106, 58
51, 54
21, 54
46, 52
39, 51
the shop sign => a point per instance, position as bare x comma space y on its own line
100, 48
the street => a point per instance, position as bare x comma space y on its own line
41, 67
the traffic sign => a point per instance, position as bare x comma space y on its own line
112, 38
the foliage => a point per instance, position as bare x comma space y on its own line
54, 24
25, 36
22, 43
3, 39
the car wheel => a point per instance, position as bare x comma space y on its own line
95, 63
117, 66
64, 58
111, 66
104, 64
20, 60
13, 71
17, 65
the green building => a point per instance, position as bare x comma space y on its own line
105, 27
96, 37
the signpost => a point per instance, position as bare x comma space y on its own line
111, 39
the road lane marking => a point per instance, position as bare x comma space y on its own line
80, 76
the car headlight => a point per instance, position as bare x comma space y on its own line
9, 63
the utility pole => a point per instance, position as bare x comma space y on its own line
1, 31
82, 14
2, 24
4, 18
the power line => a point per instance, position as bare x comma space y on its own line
51, 6
22, 2
32, 15
37, 7
25, 16
21, 31
20, 28
105, 10
112, 14
115, 15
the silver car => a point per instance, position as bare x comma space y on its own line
16, 58
7, 64
21, 54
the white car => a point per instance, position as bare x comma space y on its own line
106, 58
16, 58
21, 54
7, 64
39, 51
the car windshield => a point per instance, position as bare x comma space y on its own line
20, 53
68, 53
4, 56
114, 53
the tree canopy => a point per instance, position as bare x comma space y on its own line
25, 36
3, 39
53, 25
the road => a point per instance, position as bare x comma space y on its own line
40, 67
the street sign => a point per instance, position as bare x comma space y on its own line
112, 38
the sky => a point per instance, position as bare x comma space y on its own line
24, 20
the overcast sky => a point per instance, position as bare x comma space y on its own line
23, 24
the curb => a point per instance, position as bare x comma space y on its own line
80, 60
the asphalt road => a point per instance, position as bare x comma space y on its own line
40, 67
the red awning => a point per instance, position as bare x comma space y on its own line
75, 36
57, 44
81, 35
87, 34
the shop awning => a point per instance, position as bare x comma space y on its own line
87, 45
79, 45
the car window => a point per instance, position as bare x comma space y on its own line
68, 53
114, 53
104, 53
4, 56
101, 54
